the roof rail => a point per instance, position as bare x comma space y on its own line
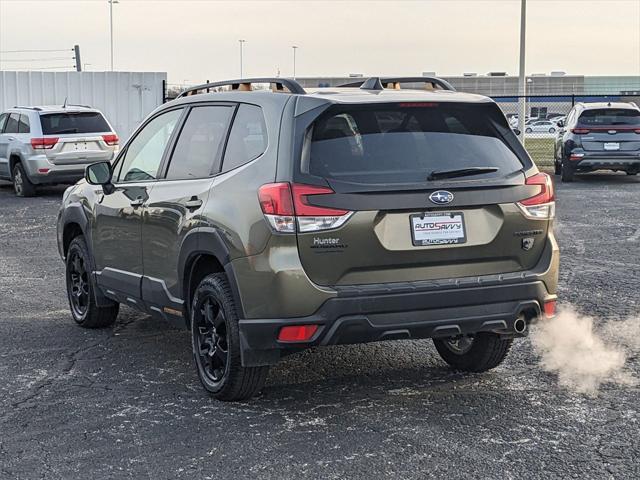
78, 105
245, 84
38, 109
379, 83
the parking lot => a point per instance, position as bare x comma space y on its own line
126, 402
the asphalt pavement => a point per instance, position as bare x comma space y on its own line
125, 402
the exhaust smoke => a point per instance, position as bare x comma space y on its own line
583, 357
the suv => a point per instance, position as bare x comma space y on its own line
48, 145
270, 221
598, 136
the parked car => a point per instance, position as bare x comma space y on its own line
541, 126
556, 120
54, 144
270, 221
598, 136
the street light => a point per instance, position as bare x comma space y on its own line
111, 2
522, 80
241, 44
294, 47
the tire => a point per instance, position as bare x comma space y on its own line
80, 289
552, 130
527, 130
632, 173
21, 183
557, 168
485, 351
215, 342
566, 173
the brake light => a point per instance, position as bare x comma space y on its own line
43, 143
297, 333
417, 104
286, 206
111, 139
580, 131
541, 206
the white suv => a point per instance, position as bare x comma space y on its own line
49, 145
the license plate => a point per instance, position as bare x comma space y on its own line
438, 229
612, 146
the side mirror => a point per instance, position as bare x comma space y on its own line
560, 123
100, 174
517, 132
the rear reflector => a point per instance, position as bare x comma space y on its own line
43, 143
111, 140
580, 131
550, 309
286, 206
541, 206
43, 170
297, 333
576, 156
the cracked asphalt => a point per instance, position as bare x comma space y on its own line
125, 402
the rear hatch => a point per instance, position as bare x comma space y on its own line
80, 137
420, 191
609, 130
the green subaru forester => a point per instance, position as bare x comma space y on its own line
269, 219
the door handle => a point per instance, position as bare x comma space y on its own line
194, 203
11, 139
137, 202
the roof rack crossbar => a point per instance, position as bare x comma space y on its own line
380, 83
245, 83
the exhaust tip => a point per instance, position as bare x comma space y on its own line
520, 326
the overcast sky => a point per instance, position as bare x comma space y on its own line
198, 40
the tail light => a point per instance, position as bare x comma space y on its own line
541, 206
576, 156
297, 333
580, 131
111, 139
550, 308
43, 143
287, 209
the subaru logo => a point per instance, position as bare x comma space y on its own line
441, 197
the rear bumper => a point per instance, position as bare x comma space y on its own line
41, 171
403, 311
608, 161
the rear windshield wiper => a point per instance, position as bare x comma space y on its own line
460, 172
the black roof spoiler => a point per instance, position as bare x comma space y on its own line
245, 84
380, 83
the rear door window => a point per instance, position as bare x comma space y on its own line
73, 122
404, 143
199, 147
610, 117
12, 123
248, 137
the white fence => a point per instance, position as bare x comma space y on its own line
125, 98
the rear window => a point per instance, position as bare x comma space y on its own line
610, 117
404, 143
66, 123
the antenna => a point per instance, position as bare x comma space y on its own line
64, 105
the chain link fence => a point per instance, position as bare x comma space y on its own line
542, 115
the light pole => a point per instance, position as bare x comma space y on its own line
522, 79
242, 42
111, 2
294, 47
